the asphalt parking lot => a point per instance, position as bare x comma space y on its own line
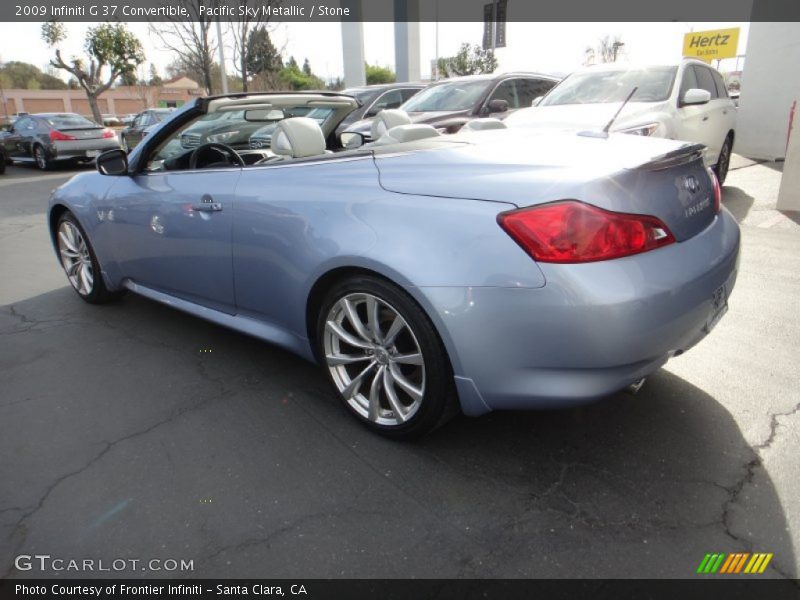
137, 432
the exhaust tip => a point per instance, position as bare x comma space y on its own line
633, 388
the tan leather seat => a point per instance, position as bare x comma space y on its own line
484, 124
298, 137
386, 119
407, 133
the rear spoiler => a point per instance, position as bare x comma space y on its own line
685, 154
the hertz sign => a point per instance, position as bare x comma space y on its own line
708, 45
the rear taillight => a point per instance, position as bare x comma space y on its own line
57, 136
573, 232
107, 134
717, 191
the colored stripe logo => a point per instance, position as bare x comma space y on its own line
732, 564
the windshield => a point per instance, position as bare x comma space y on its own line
69, 122
160, 115
362, 95
456, 95
593, 87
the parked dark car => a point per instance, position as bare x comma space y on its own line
47, 138
375, 98
141, 126
3, 159
450, 103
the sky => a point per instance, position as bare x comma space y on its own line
543, 47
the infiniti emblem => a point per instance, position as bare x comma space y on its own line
691, 184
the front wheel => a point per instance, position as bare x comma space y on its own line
80, 262
384, 358
724, 161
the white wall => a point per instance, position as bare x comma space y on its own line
770, 83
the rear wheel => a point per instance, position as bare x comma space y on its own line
40, 157
384, 358
724, 160
80, 262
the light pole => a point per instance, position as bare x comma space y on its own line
222, 72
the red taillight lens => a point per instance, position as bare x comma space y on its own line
107, 133
57, 136
717, 191
574, 232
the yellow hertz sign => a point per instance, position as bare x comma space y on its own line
708, 45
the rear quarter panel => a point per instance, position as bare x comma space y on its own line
295, 223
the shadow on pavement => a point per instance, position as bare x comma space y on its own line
737, 201
137, 431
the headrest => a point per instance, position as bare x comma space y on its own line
386, 119
484, 124
408, 133
298, 137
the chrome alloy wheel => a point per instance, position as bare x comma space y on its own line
75, 258
374, 359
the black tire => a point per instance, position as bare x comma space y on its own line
724, 161
439, 401
40, 158
99, 293
2, 165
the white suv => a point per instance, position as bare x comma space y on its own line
683, 102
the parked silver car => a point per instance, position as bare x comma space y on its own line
541, 271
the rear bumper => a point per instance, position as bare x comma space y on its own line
81, 149
591, 330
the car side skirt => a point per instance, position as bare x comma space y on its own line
259, 329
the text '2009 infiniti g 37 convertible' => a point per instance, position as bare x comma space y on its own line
492, 269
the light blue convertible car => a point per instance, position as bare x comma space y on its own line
492, 269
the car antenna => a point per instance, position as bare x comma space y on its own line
603, 133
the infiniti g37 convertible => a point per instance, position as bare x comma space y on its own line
491, 269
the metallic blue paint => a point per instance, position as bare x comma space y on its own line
518, 334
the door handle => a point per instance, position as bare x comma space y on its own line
207, 207
207, 204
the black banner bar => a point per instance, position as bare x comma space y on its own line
384, 10
730, 588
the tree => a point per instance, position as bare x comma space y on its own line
307, 67
264, 60
128, 79
468, 61
17, 74
246, 48
106, 45
189, 39
606, 51
295, 78
155, 78
376, 74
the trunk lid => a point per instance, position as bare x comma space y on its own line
622, 173
83, 133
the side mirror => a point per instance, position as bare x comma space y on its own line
696, 96
351, 140
113, 162
497, 106
536, 100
